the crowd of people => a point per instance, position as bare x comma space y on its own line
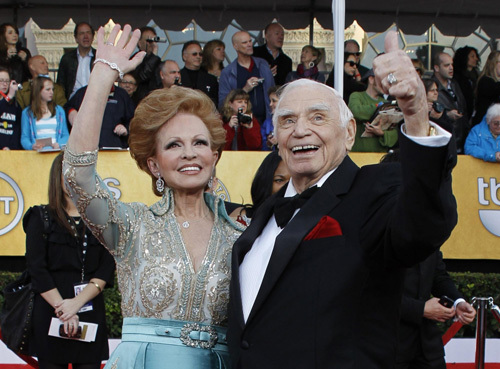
209, 284
464, 92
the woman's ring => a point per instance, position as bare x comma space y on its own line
391, 78
110, 44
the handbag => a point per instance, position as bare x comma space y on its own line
17, 311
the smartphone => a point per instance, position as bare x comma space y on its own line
446, 301
63, 334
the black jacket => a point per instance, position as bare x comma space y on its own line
333, 301
68, 66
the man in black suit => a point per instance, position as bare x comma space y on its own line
324, 291
272, 52
75, 65
420, 343
193, 76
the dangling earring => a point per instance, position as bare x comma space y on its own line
311, 64
160, 184
210, 182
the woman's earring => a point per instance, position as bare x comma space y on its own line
311, 64
160, 184
210, 182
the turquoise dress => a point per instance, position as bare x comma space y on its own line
174, 316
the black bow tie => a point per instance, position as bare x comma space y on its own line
284, 207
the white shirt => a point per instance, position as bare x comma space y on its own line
83, 71
255, 262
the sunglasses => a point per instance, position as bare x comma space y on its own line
196, 54
352, 63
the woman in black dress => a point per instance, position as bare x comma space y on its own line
63, 256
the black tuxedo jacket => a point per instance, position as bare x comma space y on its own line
334, 302
421, 281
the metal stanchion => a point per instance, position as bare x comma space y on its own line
482, 304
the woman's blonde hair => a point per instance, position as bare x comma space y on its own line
315, 52
158, 108
489, 69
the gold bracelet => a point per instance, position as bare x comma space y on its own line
97, 286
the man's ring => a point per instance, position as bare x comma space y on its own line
110, 44
391, 78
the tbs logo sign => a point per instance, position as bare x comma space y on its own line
12, 201
490, 218
11, 204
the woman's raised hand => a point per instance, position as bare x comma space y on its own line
118, 48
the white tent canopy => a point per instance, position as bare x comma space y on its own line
452, 17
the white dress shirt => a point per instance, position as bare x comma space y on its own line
83, 71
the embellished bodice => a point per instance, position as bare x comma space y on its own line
155, 274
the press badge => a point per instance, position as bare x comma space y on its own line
78, 287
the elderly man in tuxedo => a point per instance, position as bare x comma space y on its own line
324, 289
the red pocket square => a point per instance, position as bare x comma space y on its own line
326, 227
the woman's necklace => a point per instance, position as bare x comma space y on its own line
187, 223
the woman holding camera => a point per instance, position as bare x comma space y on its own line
437, 112
13, 56
64, 258
242, 129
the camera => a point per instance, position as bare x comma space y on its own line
153, 39
243, 118
438, 107
260, 81
177, 81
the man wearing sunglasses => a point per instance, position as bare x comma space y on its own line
352, 47
193, 76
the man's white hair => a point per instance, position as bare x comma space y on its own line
345, 113
493, 111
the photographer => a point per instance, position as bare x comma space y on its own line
242, 129
145, 72
437, 112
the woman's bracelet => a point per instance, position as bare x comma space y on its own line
111, 65
97, 286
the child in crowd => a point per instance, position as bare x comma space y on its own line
10, 113
242, 129
267, 129
43, 118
